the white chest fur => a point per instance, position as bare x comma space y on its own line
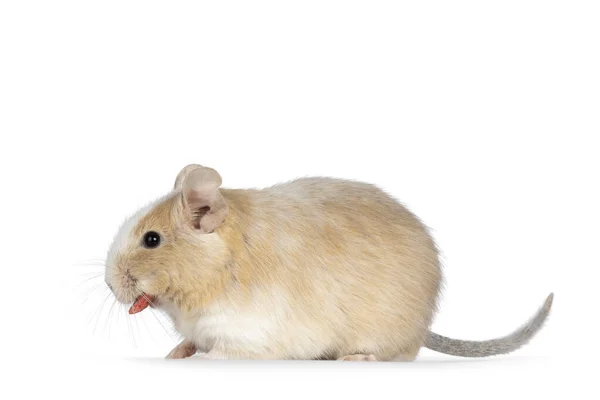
250, 329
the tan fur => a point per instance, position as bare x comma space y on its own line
330, 268
355, 261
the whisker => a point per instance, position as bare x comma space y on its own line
97, 286
132, 331
92, 273
108, 318
148, 299
87, 280
162, 325
157, 319
88, 264
137, 324
102, 260
147, 329
100, 312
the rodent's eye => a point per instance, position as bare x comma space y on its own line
151, 240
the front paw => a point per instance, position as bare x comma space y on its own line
182, 350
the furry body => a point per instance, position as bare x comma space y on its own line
316, 268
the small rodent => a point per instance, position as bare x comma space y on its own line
315, 268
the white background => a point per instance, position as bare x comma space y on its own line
482, 117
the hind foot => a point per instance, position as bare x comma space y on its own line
358, 357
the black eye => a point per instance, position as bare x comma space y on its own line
151, 240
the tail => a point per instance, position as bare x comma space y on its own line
503, 345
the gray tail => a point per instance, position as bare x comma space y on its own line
503, 345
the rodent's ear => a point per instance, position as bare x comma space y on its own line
183, 174
203, 200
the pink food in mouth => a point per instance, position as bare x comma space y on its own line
141, 303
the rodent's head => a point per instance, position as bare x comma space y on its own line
169, 249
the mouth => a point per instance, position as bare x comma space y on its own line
141, 303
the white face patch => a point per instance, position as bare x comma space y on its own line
124, 236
